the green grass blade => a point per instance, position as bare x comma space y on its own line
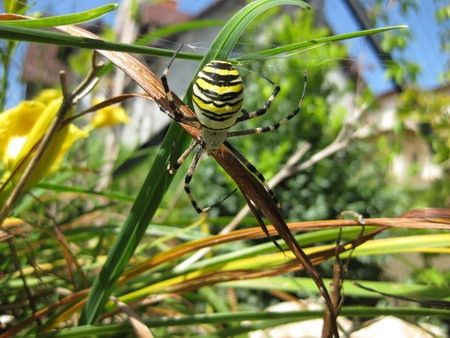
115, 196
307, 286
300, 46
61, 20
396, 245
223, 44
217, 50
176, 29
230, 317
273, 319
59, 39
143, 209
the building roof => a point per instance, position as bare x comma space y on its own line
42, 65
163, 14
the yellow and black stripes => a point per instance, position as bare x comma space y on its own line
247, 116
261, 111
265, 129
217, 99
218, 95
188, 178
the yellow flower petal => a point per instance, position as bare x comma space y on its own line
18, 122
12, 222
73, 134
48, 95
13, 149
22, 128
109, 116
40, 127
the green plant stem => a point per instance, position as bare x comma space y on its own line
18, 267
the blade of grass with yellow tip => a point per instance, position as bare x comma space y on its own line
59, 20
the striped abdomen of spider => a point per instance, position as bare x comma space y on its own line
217, 99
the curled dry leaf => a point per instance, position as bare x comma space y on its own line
13, 227
140, 329
432, 214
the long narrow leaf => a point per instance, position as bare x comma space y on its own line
230, 317
54, 38
177, 29
300, 46
63, 188
294, 284
69, 19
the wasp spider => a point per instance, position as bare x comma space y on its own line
217, 99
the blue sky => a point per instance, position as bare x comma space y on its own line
193, 7
423, 50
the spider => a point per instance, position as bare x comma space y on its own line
217, 98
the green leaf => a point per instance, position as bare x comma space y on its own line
223, 44
303, 45
251, 317
176, 29
52, 38
61, 20
307, 286
64, 188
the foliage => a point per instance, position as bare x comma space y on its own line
430, 111
335, 183
427, 109
72, 239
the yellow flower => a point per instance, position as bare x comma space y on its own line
108, 116
72, 135
15, 124
22, 127
48, 95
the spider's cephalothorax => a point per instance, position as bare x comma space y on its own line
217, 98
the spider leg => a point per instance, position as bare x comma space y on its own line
178, 117
190, 173
173, 113
247, 116
172, 167
275, 125
188, 178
